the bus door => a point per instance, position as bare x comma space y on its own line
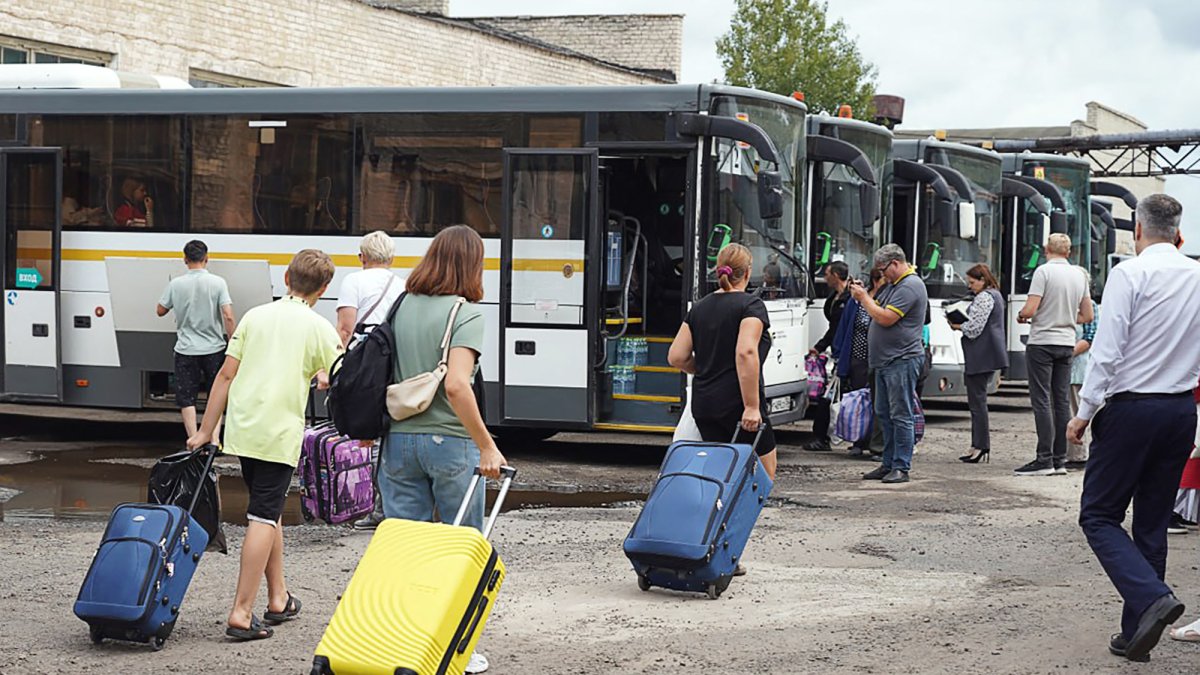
30, 200
549, 296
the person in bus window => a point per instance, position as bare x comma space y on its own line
985, 352
365, 299
74, 214
137, 207
429, 459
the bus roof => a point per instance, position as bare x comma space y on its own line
290, 101
816, 121
1013, 160
914, 149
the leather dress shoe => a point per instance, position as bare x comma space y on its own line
1161, 613
1118, 646
877, 474
896, 476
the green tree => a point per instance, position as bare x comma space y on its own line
784, 46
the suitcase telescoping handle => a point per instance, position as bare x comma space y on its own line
738, 429
212, 452
507, 473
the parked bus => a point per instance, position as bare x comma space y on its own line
849, 190
1106, 249
601, 209
946, 215
1063, 183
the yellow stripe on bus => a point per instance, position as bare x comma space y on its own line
282, 259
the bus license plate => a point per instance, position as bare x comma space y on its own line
783, 404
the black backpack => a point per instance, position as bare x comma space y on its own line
359, 381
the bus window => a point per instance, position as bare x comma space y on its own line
626, 127
276, 175
423, 173
555, 132
120, 172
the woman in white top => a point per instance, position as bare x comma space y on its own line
368, 294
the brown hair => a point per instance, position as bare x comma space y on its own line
453, 265
984, 273
309, 272
733, 265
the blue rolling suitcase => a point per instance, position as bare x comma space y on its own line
135, 585
698, 517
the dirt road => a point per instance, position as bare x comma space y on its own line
967, 569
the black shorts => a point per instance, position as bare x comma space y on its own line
267, 484
720, 430
194, 374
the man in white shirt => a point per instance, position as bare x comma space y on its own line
366, 298
1058, 300
368, 294
1137, 396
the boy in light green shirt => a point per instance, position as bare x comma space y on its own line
272, 357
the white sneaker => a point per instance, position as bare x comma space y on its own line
477, 664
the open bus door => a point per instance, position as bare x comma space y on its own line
31, 222
549, 296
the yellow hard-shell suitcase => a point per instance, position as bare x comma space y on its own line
418, 599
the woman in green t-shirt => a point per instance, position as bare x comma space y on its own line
429, 459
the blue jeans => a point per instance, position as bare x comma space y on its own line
895, 386
423, 471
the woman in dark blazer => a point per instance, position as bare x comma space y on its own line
984, 351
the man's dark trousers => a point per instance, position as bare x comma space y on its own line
1139, 448
1050, 395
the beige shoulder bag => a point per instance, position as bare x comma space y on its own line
414, 395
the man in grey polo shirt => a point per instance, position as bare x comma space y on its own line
203, 323
896, 353
1058, 300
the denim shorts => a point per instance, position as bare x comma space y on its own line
423, 472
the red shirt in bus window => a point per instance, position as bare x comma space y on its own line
127, 212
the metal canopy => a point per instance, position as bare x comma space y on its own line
1135, 155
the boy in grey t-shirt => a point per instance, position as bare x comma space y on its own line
203, 322
1058, 301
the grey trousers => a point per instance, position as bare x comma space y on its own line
1050, 395
977, 386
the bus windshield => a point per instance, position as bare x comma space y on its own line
944, 257
838, 229
733, 201
1072, 182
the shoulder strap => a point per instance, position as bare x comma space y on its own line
395, 307
386, 287
450, 329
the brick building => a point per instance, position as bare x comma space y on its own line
340, 42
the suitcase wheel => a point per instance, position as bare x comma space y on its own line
718, 587
96, 634
158, 642
643, 582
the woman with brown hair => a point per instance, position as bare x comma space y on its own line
723, 343
984, 351
429, 459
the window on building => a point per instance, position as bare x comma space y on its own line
118, 172
277, 175
14, 51
207, 79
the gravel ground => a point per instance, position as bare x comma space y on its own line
967, 569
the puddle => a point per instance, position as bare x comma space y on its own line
86, 485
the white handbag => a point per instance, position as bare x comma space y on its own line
414, 395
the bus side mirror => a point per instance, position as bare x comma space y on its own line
1058, 222
1047, 228
966, 220
1110, 242
868, 196
770, 195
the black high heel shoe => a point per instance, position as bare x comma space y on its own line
978, 456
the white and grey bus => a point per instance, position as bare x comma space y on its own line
601, 209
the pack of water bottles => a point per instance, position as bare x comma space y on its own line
624, 379
633, 351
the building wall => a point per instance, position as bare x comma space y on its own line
300, 43
646, 41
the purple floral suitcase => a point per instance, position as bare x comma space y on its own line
336, 476
818, 377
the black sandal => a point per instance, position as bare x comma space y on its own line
290, 610
256, 631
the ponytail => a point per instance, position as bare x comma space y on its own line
733, 265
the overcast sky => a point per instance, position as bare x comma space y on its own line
984, 62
